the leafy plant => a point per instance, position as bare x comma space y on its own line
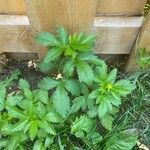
72, 52
64, 110
108, 94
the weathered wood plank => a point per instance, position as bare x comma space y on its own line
74, 15
15, 34
120, 7
12, 7
143, 41
116, 35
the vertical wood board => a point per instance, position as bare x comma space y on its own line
74, 15
12, 7
116, 35
120, 7
143, 41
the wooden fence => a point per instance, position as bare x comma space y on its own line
115, 22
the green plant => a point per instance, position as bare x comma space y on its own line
8, 80
63, 112
143, 58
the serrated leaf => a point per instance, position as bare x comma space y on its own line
107, 121
28, 94
72, 86
20, 126
53, 117
123, 87
52, 55
42, 96
84, 88
38, 146
47, 127
121, 141
61, 101
94, 94
63, 36
40, 110
16, 113
48, 83
112, 76
23, 84
45, 67
78, 103
33, 130
90, 58
46, 39
13, 100
103, 108
68, 68
88, 39
85, 72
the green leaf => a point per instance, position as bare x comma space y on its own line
46, 39
48, 83
38, 146
42, 96
104, 107
78, 103
45, 67
63, 36
84, 89
123, 87
28, 94
61, 101
90, 58
23, 84
121, 141
68, 68
85, 72
94, 94
107, 121
16, 113
33, 130
13, 100
3, 143
2, 98
82, 126
72, 86
52, 55
112, 76
47, 127
20, 126
53, 117
88, 39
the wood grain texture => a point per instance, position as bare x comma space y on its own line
120, 7
116, 35
143, 41
12, 7
15, 34
74, 15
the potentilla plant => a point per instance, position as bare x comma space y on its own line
73, 107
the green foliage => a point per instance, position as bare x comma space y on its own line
64, 110
124, 140
143, 59
108, 93
8, 80
73, 50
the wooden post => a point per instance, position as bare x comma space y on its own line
143, 41
46, 15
